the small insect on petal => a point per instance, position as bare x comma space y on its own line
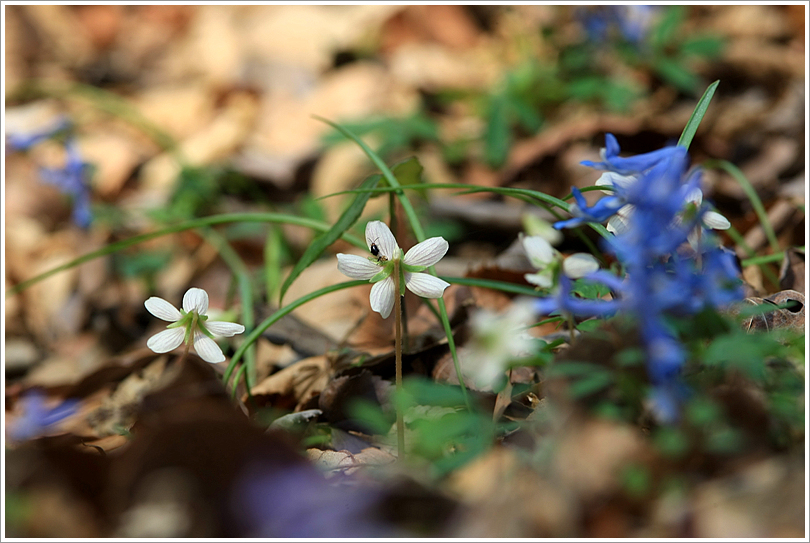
379, 235
162, 309
167, 340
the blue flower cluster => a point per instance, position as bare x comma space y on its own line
71, 179
661, 281
632, 21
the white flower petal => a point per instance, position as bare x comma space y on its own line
695, 195
224, 329
715, 221
195, 299
426, 253
382, 297
167, 340
620, 222
425, 285
357, 267
207, 348
540, 279
378, 233
539, 251
162, 309
580, 265
613, 179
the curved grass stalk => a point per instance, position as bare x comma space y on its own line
105, 101
269, 321
187, 225
752, 195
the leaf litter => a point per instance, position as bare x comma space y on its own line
132, 444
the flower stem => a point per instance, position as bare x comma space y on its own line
398, 349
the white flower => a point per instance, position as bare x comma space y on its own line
547, 260
619, 223
380, 266
497, 339
187, 323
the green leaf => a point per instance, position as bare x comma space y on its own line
675, 73
590, 384
497, 136
320, 243
671, 442
691, 127
666, 29
745, 352
704, 46
589, 325
409, 172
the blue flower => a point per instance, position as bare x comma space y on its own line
564, 303
611, 161
37, 419
659, 281
23, 142
71, 179
603, 209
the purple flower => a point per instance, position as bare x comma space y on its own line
37, 419
71, 179
600, 212
612, 162
659, 282
564, 303
23, 142
299, 502
632, 21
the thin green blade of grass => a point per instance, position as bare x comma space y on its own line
753, 197
692, 125
181, 227
492, 284
321, 242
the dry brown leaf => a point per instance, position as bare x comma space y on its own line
295, 386
507, 499
764, 500
591, 452
333, 462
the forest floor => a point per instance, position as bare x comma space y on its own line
126, 124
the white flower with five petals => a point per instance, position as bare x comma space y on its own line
379, 268
187, 323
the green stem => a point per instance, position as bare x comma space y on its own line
398, 350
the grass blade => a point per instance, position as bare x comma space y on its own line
321, 242
691, 127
